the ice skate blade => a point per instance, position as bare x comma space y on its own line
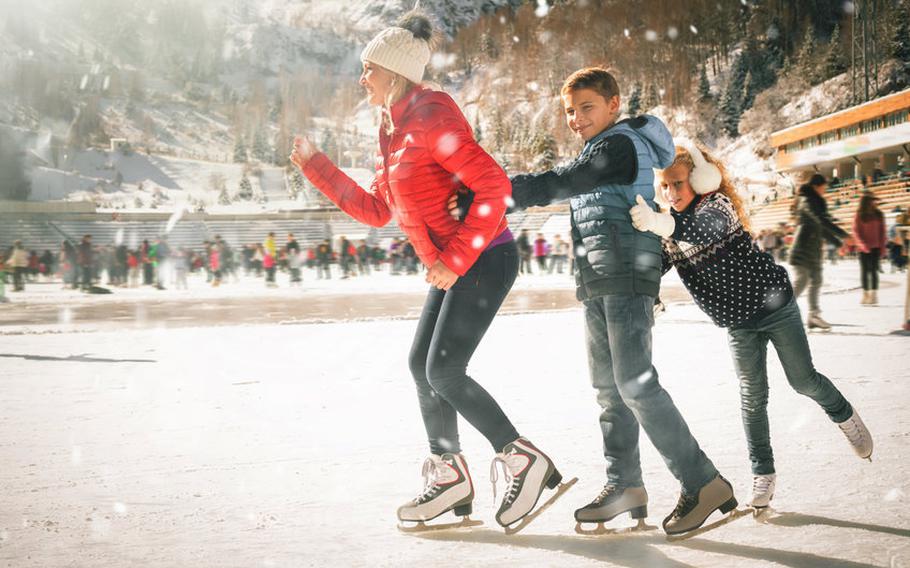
422, 527
728, 518
601, 531
763, 514
527, 519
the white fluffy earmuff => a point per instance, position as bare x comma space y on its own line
704, 177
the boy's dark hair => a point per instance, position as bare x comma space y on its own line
595, 78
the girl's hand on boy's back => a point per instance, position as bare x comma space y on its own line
646, 219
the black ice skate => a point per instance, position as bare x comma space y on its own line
609, 504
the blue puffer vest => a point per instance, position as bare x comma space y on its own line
612, 257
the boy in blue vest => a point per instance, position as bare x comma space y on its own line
617, 275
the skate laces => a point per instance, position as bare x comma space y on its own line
685, 504
761, 484
430, 472
507, 465
609, 489
851, 429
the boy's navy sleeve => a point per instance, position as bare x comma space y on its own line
610, 160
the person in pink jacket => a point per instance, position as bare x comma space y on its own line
869, 233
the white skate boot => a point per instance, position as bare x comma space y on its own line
762, 490
447, 487
528, 471
858, 435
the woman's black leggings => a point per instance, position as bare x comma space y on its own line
451, 326
868, 263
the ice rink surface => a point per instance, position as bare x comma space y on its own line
292, 444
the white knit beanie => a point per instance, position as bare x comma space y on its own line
403, 49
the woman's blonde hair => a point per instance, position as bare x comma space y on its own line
400, 86
726, 186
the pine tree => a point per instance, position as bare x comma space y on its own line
704, 87
807, 59
284, 143
634, 104
295, 184
224, 198
545, 156
835, 64
329, 145
749, 93
900, 42
261, 150
14, 183
240, 155
500, 137
652, 98
478, 132
245, 189
488, 46
730, 110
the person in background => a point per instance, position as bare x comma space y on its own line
540, 252
814, 226
871, 241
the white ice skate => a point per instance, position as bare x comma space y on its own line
858, 435
447, 487
762, 490
528, 471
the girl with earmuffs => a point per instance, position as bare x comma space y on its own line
706, 237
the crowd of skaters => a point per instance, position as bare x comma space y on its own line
84, 264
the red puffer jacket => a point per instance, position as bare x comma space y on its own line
431, 153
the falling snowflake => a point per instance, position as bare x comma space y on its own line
625, 32
442, 60
849, 8
644, 377
515, 39
484, 209
509, 201
120, 508
533, 86
76, 456
477, 242
581, 251
894, 494
447, 145
542, 9
693, 29
650, 35
672, 32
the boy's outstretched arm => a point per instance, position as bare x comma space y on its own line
610, 160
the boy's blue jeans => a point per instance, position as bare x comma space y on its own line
749, 346
618, 330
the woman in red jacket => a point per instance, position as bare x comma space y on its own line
426, 152
869, 232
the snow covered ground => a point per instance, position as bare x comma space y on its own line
292, 445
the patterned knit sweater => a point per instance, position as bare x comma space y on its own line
730, 279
